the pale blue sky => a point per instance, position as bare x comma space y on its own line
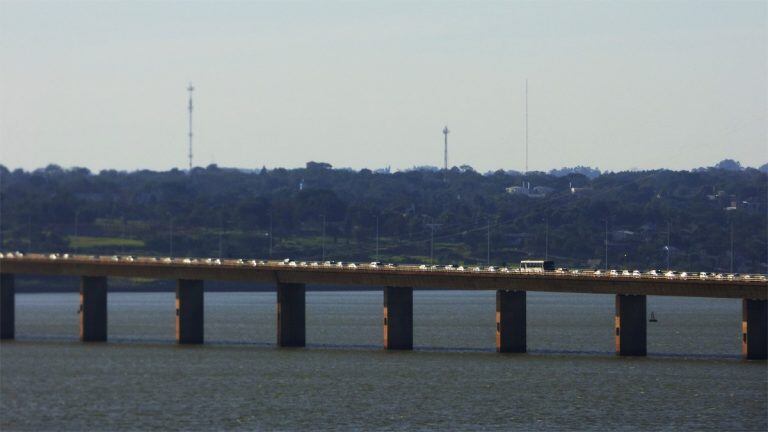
616, 85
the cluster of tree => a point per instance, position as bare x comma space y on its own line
644, 218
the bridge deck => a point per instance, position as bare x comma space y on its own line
403, 276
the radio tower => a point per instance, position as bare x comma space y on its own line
526, 125
445, 153
190, 89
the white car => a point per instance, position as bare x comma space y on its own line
614, 273
491, 269
352, 266
314, 264
636, 273
671, 274
374, 264
460, 268
597, 273
292, 263
477, 269
167, 260
423, 267
187, 261
53, 256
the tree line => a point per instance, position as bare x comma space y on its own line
712, 219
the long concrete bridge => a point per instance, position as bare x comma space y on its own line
291, 279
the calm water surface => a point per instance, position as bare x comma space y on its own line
693, 378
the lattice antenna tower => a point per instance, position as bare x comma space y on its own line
190, 89
445, 152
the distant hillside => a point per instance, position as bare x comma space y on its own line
232, 212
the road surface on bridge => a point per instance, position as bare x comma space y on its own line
415, 276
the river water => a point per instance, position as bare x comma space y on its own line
570, 380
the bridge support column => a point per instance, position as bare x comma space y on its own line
398, 318
93, 309
510, 321
189, 311
754, 329
291, 315
7, 306
631, 325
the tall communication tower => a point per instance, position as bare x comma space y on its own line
190, 89
526, 125
445, 153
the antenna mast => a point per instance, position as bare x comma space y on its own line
190, 89
445, 152
526, 125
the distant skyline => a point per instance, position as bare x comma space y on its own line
617, 86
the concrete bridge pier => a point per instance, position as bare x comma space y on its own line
510, 321
7, 306
189, 311
631, 325
291, 315
754, 329
398, 318
93, 309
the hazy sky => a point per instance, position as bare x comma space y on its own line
615, 85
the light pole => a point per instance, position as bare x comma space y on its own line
546, 238
122, 248
270, 235
170, 238
75, 240
669, 236
323, 240
221, 228
606, 244
488, 243
731, 245
432, 227
377, 237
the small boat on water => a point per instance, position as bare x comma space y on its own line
653, 318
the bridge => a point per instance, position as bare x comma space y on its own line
398, 282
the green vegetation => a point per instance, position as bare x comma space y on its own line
563, 215
81, 242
